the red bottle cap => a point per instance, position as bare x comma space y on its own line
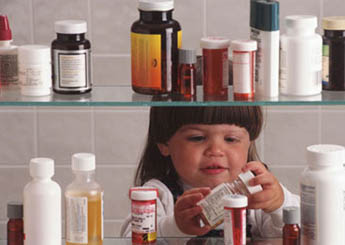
5, 31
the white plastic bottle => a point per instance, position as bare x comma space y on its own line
301, 57
42, 205
84, 203
323, 195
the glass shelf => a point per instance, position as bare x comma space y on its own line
124, 96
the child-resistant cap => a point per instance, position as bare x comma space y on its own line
142, 188
41, 167
301, 21
34, 54
264, 15
143, 195
335, 23
214, 43
5, 30
245, 177
325, 155
70, 26
244, 45
156, 5
291, 215
187, 56
235, 201
83, 162
14, 210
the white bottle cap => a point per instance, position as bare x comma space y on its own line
156, 5
143, 195
142, 188
235, 201
245, 177
41, 167
70, 26
214, 43
325, 155
301, 21
244, 45
34, 54
83, 162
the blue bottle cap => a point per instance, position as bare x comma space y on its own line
264, 15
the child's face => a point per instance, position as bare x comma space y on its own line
208, 155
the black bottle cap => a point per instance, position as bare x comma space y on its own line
15, 210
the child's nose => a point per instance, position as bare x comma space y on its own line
214, 149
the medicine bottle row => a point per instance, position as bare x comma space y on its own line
41, 208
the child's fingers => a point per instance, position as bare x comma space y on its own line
256, 167
187, 201
263, 179
190, 213
202, 230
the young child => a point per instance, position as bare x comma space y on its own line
191, 150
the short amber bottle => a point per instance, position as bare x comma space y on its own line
186, 82
291, 229
15, 225
155, 39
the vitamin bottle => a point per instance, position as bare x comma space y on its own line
15, 225
186, 81
144, 215
333, 59
243, 65
212, 205
322, 188
84, 203
215, 67
71, 57
301, 57
42, 205
291, 229
34, 66
155, 39
8, 55
235, 219
264, 28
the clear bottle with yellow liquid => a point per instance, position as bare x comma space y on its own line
84, 203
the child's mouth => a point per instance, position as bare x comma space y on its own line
210, 170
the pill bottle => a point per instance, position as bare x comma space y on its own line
71, 57
84, 203
291, 229
144, 215
186, 81
301, 57
15, 225
215, 64
34, 66
8, 55
243, 68
155, 39
235, 219
42, 205
333, 53
212, 205
322, 188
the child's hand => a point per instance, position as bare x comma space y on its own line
187, 212
272, 196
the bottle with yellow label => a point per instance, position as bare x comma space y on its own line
155, 39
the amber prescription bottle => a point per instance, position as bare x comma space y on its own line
243, 63
235, 219
15, 226
291, 229
333, 57
187, 74
215, 67
144, 215
71, 57
155, 39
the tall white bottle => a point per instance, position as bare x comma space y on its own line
42, 205
323, 195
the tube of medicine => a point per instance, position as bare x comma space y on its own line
243, 63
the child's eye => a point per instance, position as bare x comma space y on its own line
196, 138
230, 139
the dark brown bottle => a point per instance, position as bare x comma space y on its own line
15, 225
155, 39
186, 82
71, 58
291, 229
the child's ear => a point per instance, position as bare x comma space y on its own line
164, 149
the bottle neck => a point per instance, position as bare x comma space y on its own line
156, 16
300, 31
238, 187
331, 33
84, 176
71, 37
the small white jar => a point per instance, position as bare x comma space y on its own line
34, 64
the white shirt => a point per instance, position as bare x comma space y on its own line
263, 224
